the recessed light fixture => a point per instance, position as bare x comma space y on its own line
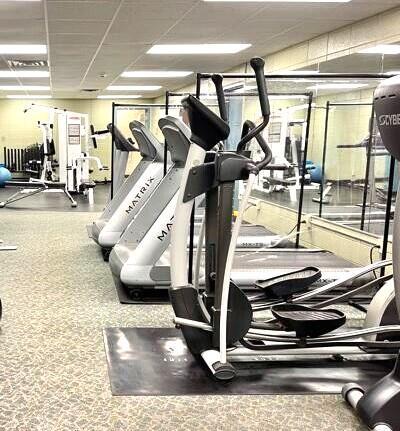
24, 87
133, 87
336, 86
22, 96
24, 74
119, 96
283, 1
23, 49
382, 49
201, 48
288, 96
156, 74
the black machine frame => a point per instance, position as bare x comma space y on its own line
352, 76
308, 95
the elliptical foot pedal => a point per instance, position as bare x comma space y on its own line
307, 321
287, 285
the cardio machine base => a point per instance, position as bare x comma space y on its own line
159, 363
140, 294
106, 253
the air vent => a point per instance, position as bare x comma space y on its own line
90, 90
20, 64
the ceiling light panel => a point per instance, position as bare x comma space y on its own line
133, 87
337, 86
24, 97
119, 96
24, 87
22, 49
156, 74
382, 49
24, 74
202, 48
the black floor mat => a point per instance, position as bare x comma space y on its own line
155, 361
147, 296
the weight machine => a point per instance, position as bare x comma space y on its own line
73, 164
287, 145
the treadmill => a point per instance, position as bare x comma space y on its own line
139, 262
134, 191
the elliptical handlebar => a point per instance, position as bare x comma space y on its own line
250, 130
248, 126
257, 64
217, 80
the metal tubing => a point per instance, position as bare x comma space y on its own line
388, 212
165, 141
112, 149
303, 174
328, 104
367, 169
300, 75
192, 218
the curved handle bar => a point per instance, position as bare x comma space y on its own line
248, 127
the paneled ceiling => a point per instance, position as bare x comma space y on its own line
91, 42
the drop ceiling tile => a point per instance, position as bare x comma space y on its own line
78, 27
21, 25
223, 13
22, 37
155, 61
124, 52
145, 31
315, 11
82, 11
16, 10
183, 31
74, 39
136, 11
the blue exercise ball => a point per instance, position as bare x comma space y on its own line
5, 175
316, 174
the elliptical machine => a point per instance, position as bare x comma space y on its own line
219, 326
379, 406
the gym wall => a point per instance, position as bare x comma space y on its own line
18, 130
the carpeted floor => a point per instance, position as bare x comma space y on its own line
57, 297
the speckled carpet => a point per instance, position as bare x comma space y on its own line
58, 295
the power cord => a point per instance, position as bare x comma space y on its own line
371, 258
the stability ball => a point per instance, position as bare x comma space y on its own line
5, 175
316, 174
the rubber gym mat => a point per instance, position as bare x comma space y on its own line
156, 361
